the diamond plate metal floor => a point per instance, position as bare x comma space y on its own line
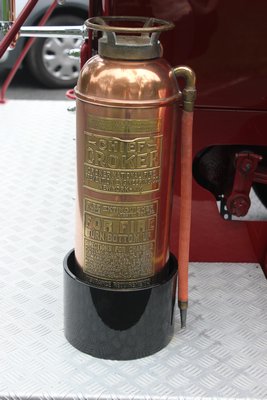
223, 352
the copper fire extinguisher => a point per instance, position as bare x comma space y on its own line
120, 281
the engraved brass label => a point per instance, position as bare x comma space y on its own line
119, 125
116, 165
119, 239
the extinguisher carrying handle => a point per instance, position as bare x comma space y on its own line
189, 95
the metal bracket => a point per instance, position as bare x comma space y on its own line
246, 172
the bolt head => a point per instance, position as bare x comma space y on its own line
239, 206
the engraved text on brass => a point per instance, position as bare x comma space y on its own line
119, 239
118, 165
117, 125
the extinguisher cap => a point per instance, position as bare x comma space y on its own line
129, 42
129, 48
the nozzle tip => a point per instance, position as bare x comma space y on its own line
183, 305
183, 315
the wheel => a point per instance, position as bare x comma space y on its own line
48, 59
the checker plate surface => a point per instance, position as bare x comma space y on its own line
223, 352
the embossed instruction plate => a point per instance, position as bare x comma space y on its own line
115, 165
122, 156
119, 239
122, 125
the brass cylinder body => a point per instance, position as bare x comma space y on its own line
126, 139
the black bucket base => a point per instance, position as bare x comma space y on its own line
118, 324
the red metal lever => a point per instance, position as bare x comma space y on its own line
247, 172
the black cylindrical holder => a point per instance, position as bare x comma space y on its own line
118, 324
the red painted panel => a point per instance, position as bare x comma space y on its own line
224, 41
